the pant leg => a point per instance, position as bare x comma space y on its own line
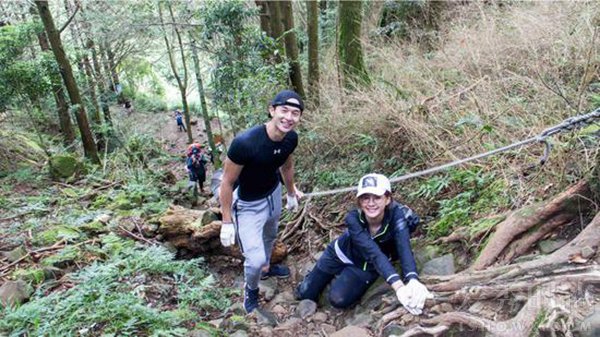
317, 279
349, 286
272, 224
250, 219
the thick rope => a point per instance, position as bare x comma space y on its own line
567, 125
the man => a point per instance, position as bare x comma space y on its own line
256, 160
179, 119
196, 166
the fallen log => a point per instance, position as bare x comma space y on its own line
197, 232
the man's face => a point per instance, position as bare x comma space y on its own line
285, 117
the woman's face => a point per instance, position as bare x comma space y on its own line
373, 205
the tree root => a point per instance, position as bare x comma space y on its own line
533, 223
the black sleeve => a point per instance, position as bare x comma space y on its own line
238, 152
371, 251
402, 239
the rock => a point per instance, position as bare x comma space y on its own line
265, 317
283, 297
393, 330
216, 322
14, 293
320, 317
441, 308
425, 253
198, 333
443, 265
587, 252
328, 328
279, 310
15, 254
306, 308
351, 331
63, 258
548, 246
360, 319
267, 288
266, 332
239, 333
237, 309
63, 166
103, 218
290, 325
590, 326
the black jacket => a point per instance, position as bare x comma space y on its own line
391, 242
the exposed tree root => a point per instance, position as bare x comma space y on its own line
554, 280
533, 223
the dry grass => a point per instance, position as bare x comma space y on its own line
498, 74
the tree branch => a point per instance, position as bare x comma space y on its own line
69, 21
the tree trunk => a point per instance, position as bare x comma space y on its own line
87, 138
101, 81
291, 47
182, 84
64, 118
114, 76
207, 126
313, 51
276, 25
349, 45
263, 13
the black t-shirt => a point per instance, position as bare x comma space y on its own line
261, 158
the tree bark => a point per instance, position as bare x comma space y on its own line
276, 25
181, 83
313, 52
207, 126
349, 45
323, 6
64, 118
101, 81
263, 13
531, 223
87, 138
291, 47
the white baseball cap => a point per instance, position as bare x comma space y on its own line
373, 183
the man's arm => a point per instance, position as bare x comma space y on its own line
287, 174
231, 172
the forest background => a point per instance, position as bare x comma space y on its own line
89, 165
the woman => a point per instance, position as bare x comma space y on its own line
378, 231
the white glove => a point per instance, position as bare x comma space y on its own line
292, 203
191, 184
227, 234
413, 296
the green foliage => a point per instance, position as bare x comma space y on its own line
20, 76
113, 297
462, 195
243, 82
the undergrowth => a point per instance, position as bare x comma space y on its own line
137, 291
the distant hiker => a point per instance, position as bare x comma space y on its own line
196, 166
377, 232
179, 119
258, 158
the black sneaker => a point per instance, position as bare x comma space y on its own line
277, 270
250, 299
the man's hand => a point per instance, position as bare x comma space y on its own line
292, 203
227, 234
413, 296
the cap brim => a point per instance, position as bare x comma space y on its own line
371, 190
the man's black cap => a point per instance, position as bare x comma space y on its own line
283, 97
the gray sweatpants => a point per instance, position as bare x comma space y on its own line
256, 225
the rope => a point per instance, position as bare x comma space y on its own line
567, 125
